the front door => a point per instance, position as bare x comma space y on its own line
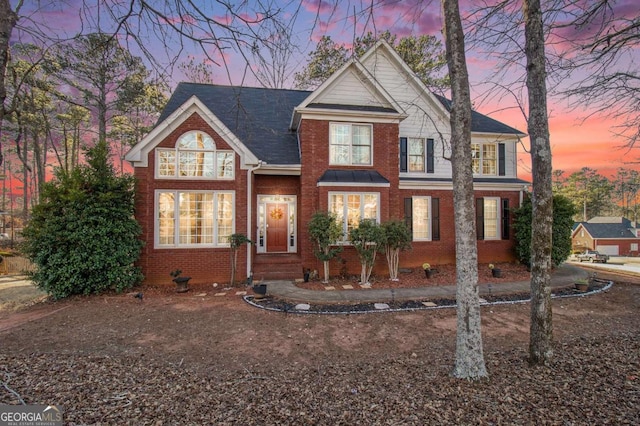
277, 226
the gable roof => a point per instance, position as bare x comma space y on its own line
258, 117
608, 228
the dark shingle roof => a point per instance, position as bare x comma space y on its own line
353, 176
258, 117
481, 123
608, 230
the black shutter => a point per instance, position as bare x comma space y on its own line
505, 218
430, 156
480, 218
403, 154
408, 213
435, 219
501, 159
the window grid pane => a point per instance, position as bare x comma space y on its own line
225, 165
353, 212
489, 159
166, 218
475, 158
225, 217
420, 218
490, 218
416, 154
166, 162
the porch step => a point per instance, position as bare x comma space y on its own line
277, 267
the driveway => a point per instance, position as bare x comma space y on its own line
17, 291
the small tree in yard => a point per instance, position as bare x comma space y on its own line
324, 232
82, 236
367, 239
563, 212
235, 242
397, 237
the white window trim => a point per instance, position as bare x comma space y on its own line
350, 163
428, 198
498, 219
177, 245
481, 158
345, 235
177, 150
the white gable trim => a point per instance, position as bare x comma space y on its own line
138, 156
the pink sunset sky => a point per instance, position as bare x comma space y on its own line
577, 141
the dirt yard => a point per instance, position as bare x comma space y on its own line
199, 359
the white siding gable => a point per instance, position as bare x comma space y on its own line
350, 89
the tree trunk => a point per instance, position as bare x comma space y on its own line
469, 363
8, 20
541, 330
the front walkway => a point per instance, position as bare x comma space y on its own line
563, 276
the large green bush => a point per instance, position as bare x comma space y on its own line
563, 211
82, 236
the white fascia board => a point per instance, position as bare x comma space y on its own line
279, 169
448, 186
499, 136
348, 115
138, 155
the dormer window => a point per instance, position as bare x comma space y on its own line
195, 157
350, 144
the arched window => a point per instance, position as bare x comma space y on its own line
195, 156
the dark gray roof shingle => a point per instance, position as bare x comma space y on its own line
353, 176
608, 230
260, 117
481, 123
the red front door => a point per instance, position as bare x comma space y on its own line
277, 225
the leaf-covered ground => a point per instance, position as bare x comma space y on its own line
200, 359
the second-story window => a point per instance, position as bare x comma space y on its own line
416, 154
350, 144
195, 156
485, 158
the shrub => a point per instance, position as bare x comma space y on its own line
82, 236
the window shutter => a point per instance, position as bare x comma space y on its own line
430, 156
408, 213
501, 159
435, 219
480, 218
505, 218
403, 154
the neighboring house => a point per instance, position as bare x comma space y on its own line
609, 235
370, 143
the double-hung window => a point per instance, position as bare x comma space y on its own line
194, 218
485, 158
422, 216
416, 153
195, 156
351, 207
350, 144
492, 218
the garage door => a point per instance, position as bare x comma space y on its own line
610, 250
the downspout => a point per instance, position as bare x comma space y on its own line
249, 216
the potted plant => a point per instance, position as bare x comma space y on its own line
182, 283
428, 272
582, 285
495, 272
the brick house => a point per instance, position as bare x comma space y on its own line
371, 142
615, 236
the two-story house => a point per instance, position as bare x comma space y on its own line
372, 142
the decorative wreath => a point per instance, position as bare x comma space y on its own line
276, 214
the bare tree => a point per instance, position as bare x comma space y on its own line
469, 362
541, 327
